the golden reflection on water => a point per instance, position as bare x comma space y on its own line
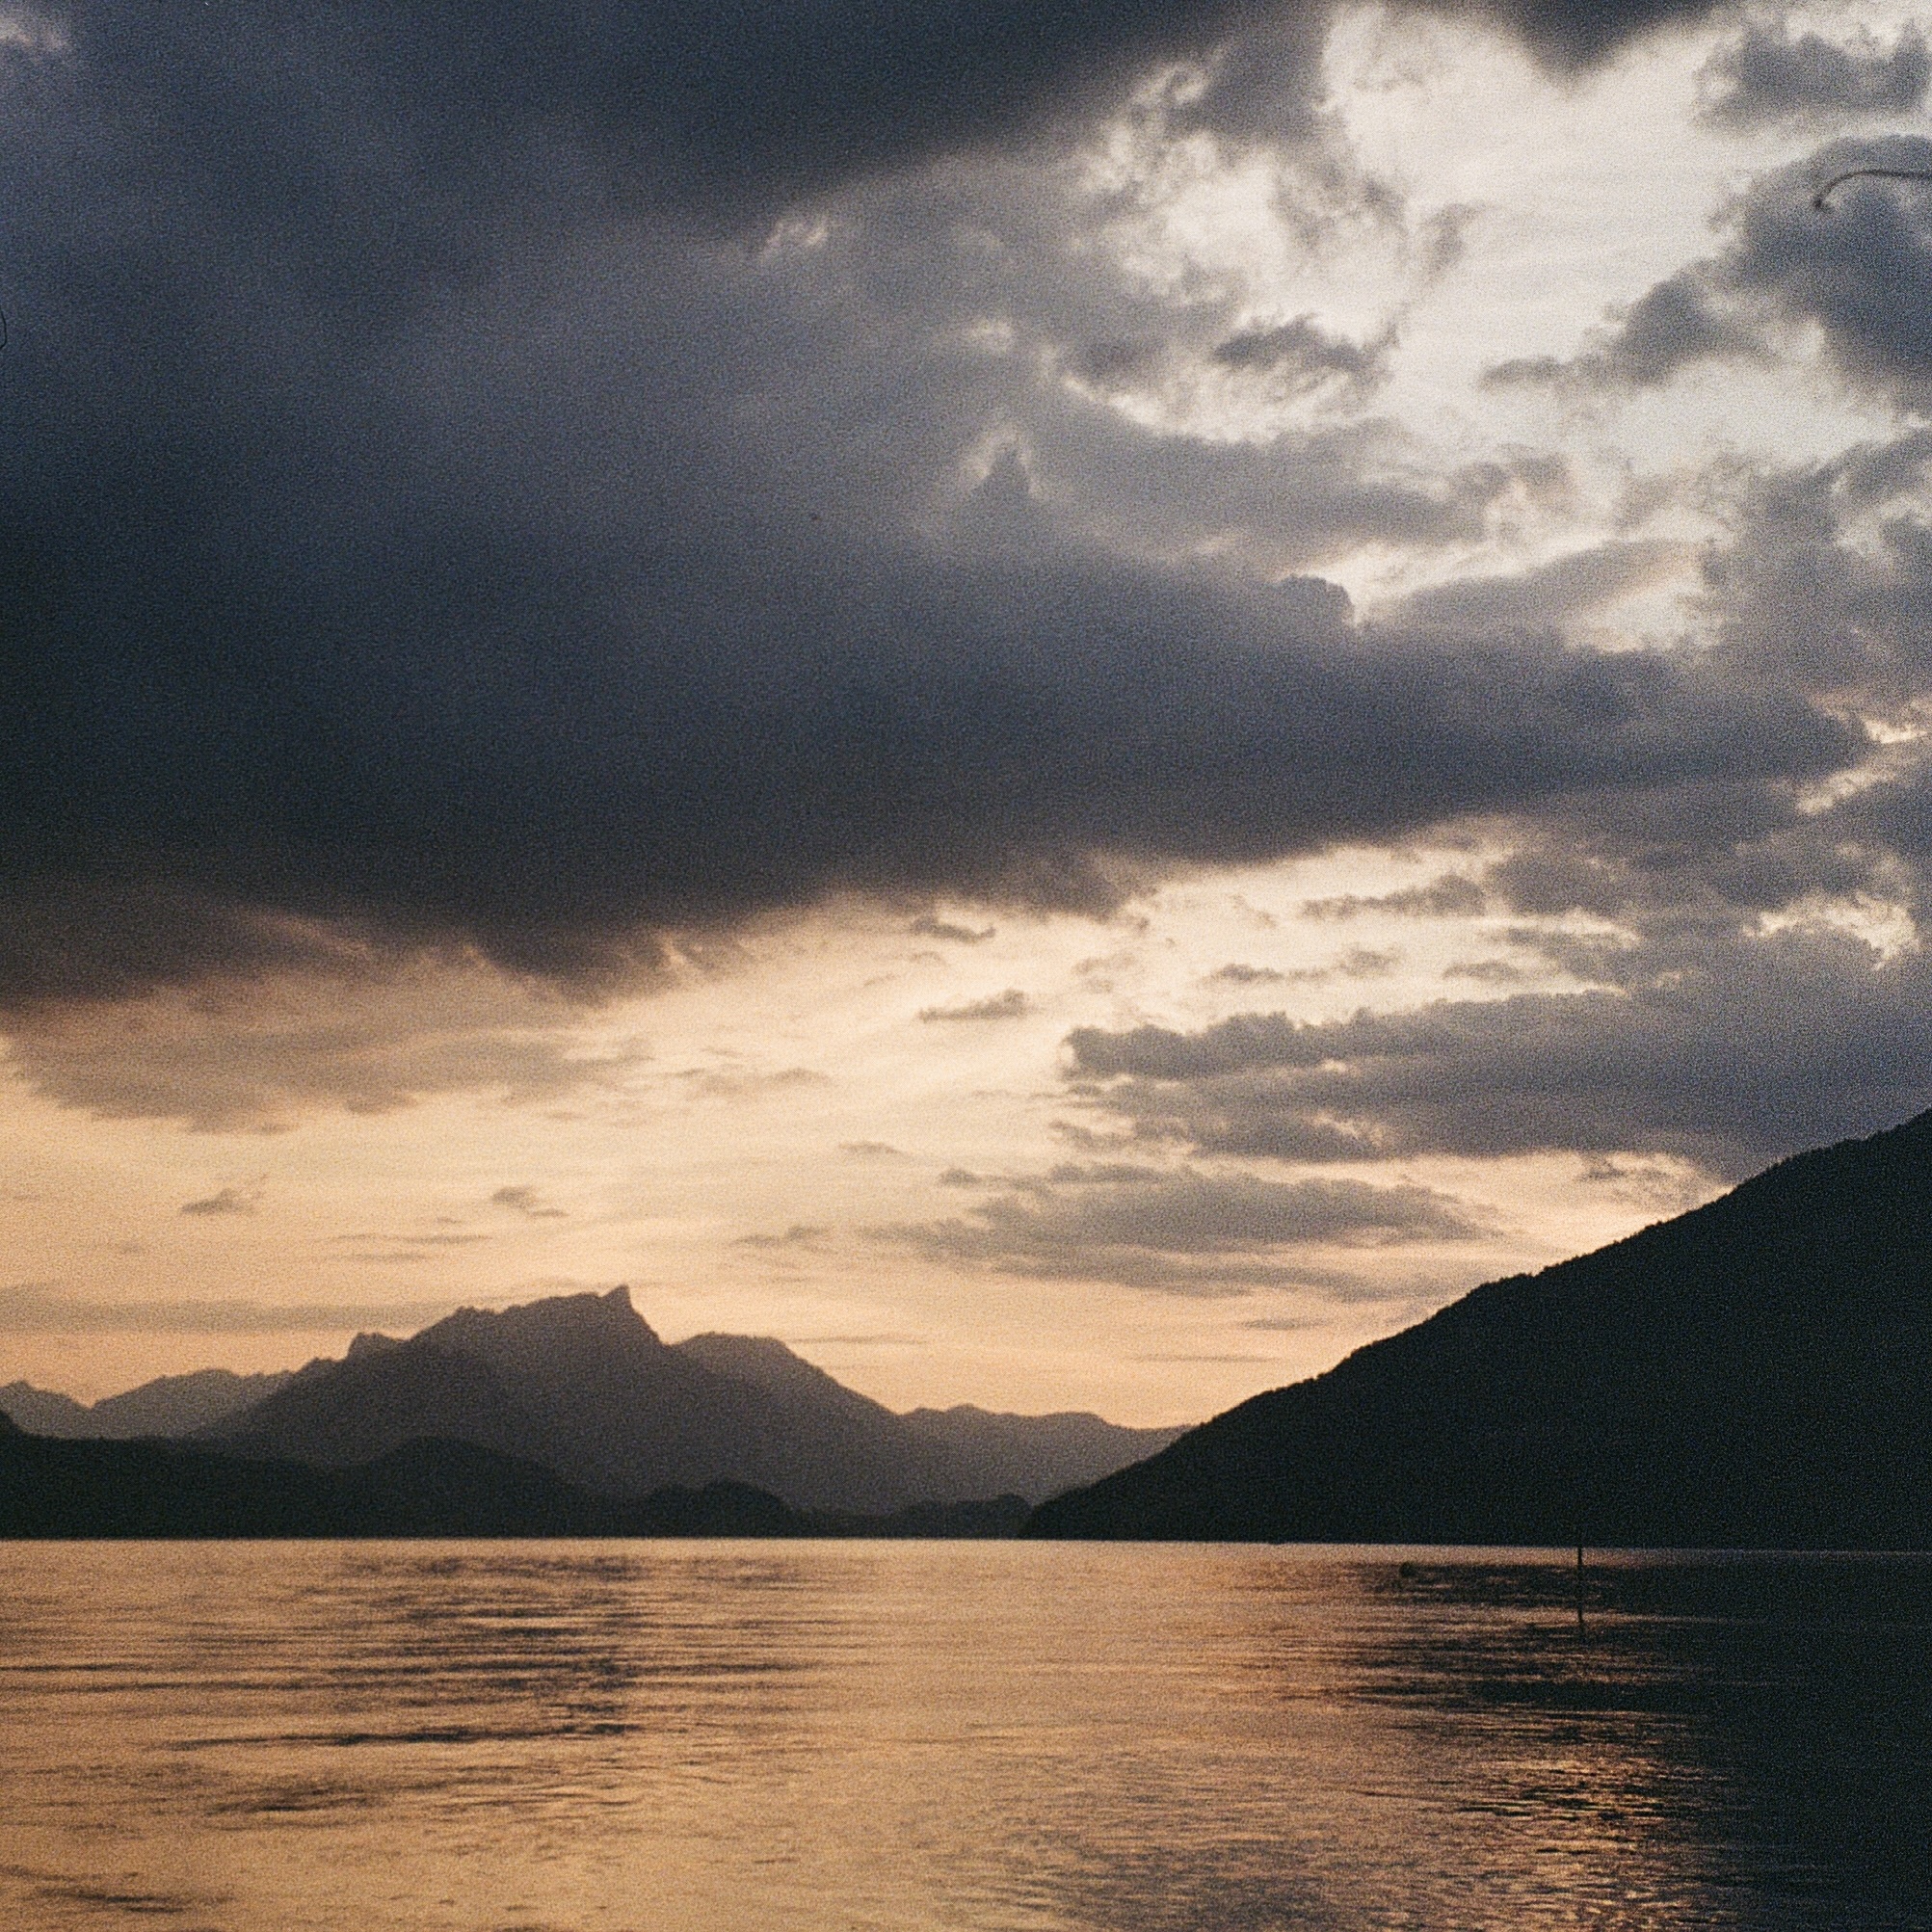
668, 1737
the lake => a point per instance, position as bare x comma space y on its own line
560, 1736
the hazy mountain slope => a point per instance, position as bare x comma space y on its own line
151, 1489
45, 1412
582, 1384
52, 1487
170, 1405
1756, 1372
626, 1411
767, 1364
1034, 1456
179, 1405
970, 1451
379, 1399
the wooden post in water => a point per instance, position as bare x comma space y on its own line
1580, 1586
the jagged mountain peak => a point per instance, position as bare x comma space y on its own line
556, 1331
582, 1383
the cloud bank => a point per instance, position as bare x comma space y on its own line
490, 488
34, 1309
1180, 1230
445, 504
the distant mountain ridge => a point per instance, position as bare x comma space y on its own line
170, 1405
1009, 1453
1757, 1372
990, 1452
583, 1387
65, 1489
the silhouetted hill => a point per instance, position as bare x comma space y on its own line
581, 1384
45, 1412
986, 1453
1758, 1372
170, 1405
1034, 1456
69, 1489
96, 1489
767, 1364
377, 1399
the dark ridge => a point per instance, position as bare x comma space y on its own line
75, 1490
1034, 1456
996, 1517
583, 1386
84, 1490
1756, 1373
169, 1405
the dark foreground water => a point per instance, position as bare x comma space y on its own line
554, 1737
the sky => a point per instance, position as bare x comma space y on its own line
1073, 702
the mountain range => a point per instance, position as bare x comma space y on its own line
50, 1487
1757, 1372
582, 1387
170, 1405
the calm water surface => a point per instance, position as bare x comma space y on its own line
554, 1737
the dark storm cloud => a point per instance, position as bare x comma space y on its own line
1861, 270
1582, 581
928, 926
1723, 1016
1715, 856
1448, 896
403, 527
1768, 74
294, 111
718, 104
1895, 814
232, 1054
1570, 34
1826, 583
1678, 323
1304, 357
1723, 1051
1181, 1231
1858, 271
453, 728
